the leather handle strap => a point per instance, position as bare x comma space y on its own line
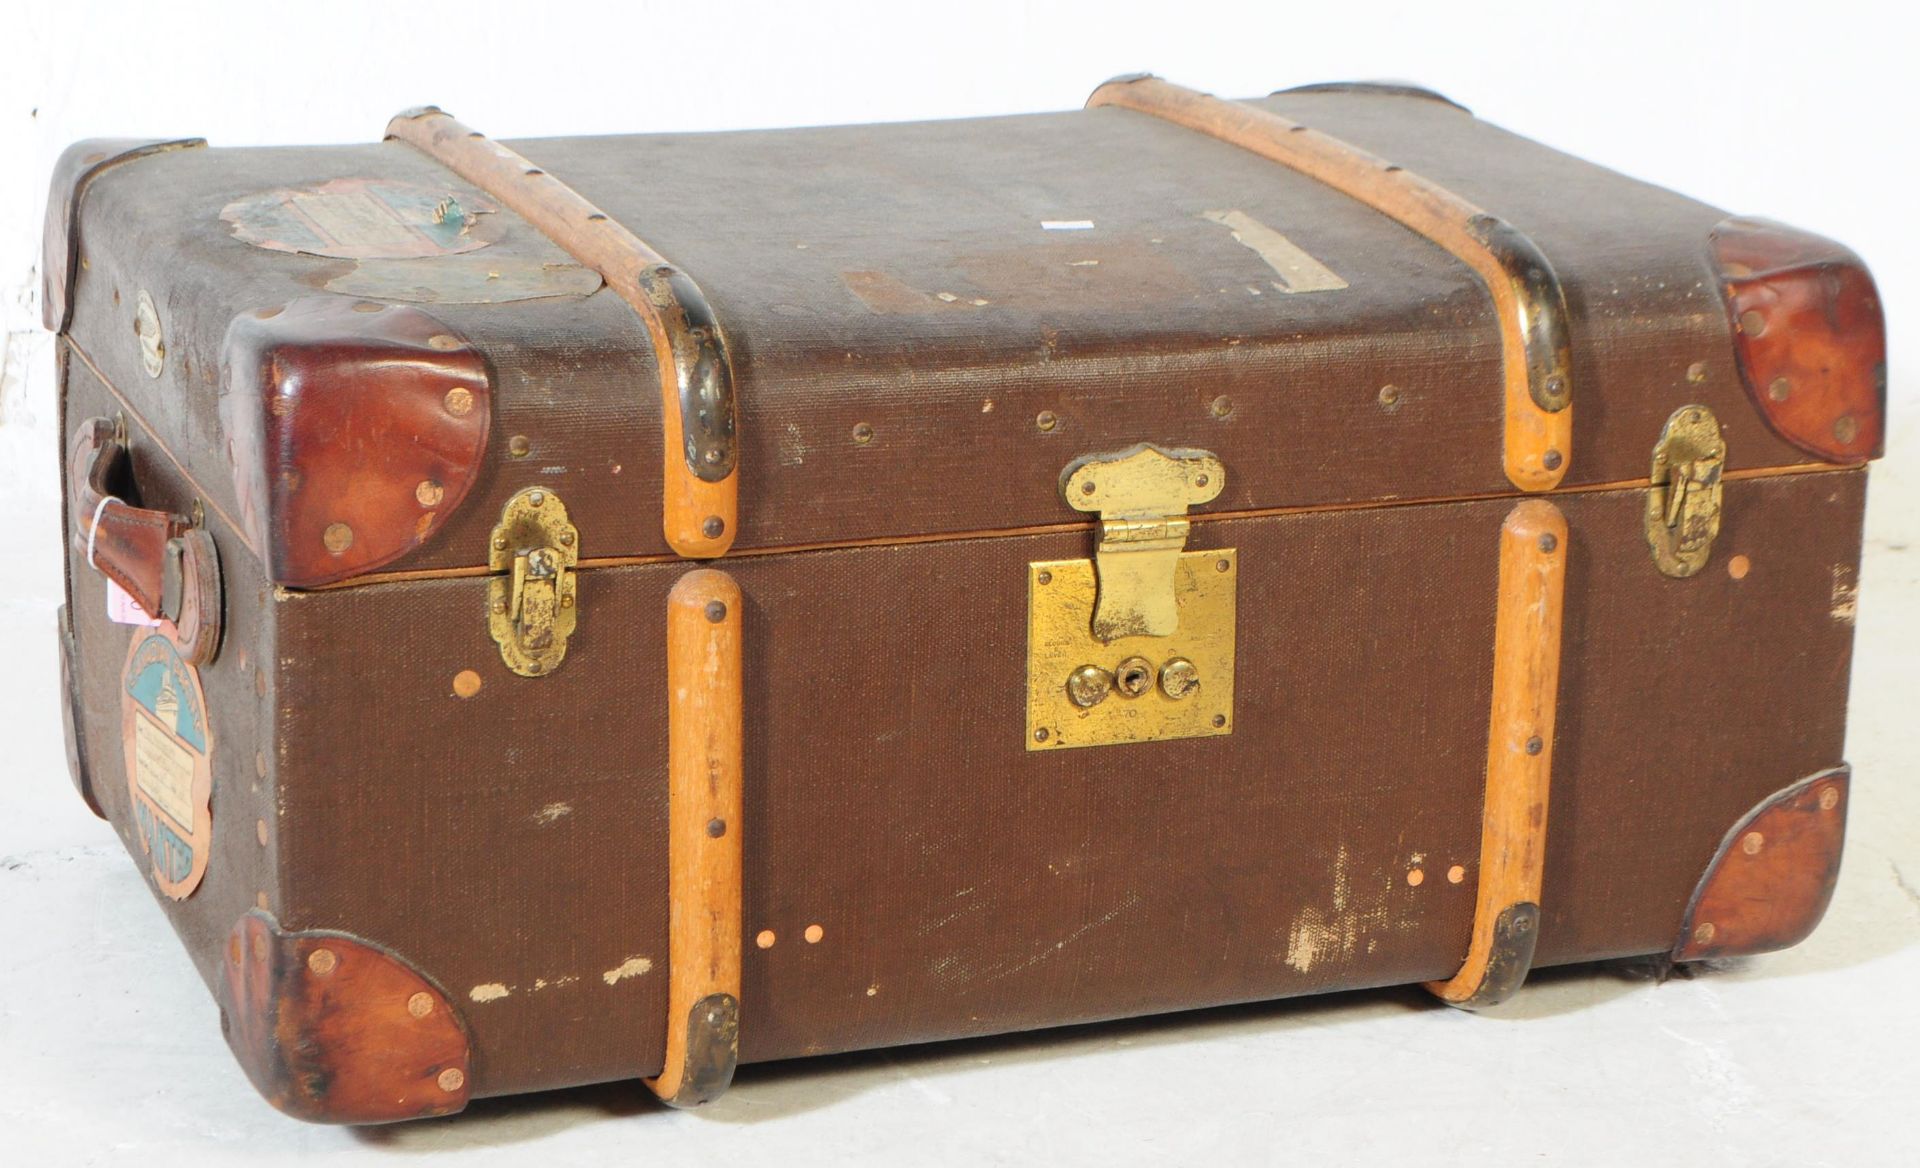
700, 510
1536, 350
706, 866
1513, 831
163, 560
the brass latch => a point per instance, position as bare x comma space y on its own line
1683, 504
530, 601
1142, 496
1135, 645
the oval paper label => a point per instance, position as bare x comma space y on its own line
169, 746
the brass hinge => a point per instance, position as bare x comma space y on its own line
1683, 503
1135, 645
530, 602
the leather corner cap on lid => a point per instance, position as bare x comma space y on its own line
1809, 336
337, 483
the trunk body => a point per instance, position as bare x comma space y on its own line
927, 324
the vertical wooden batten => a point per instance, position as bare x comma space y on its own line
1513, 833
705, 857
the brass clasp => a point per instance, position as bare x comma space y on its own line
530, 603
1683, 503
1142, 495
1136, 644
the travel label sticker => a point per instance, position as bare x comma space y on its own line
169, 769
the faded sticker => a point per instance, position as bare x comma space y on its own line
467, 279
364, 219
169, 768
1298, 271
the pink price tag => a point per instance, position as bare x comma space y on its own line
123, 609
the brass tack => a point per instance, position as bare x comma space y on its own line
716, 611
1738, 567
1456, 874
260, 831
338, 537
1552, 460
420, 1004
466, 683
1223, 565
322, 961
1829, 798
1044, 577
1752, 323
1697, 372
1535, 745
716, 828
1415, 878
260, 763
1219, 720
765, 939
713, 527
518, 446
429, 493
1752, 842
1390, 396
1549, 542
452, 1079
443, 342
1846, 428
814, 933
1046, 421
500, 606
536, 498
1703, 932
499, 543
1041, 734
862, 434
1780, 389
1221, 406
566, 539
459, 401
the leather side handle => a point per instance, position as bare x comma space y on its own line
1513, 831
163, 560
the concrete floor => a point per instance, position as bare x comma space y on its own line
110, 1049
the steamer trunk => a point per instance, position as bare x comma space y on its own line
429, 877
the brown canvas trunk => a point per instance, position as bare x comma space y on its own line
413, 874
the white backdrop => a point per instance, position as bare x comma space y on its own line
1803, 112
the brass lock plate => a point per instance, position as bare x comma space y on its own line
1683, 501
1082, 691
531, 601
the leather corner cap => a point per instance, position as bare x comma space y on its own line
334, 1029
354, 429
1773, 875
1809, 336
78, 166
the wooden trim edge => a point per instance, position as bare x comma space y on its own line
1536, 349
704, 853
700, 507
1513, 834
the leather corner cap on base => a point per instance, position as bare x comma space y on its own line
334, 1029
354, 428
78, 166
1809, 337
1770, 882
